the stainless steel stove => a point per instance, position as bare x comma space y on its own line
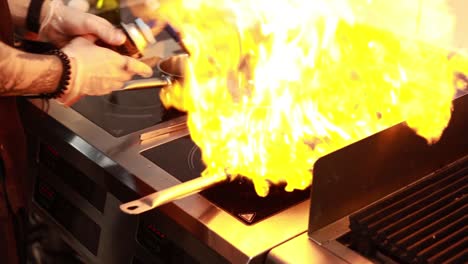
83, 173
92, 157
107, 150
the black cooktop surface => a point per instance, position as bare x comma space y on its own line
182, 159
123, 112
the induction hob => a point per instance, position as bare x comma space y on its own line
182, 159
124, 112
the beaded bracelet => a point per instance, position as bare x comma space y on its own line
64, 79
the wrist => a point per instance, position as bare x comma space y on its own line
72, 94
65, 77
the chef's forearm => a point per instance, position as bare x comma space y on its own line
19, 11
24, 73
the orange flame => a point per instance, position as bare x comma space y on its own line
274, 85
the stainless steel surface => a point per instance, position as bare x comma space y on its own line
302, 250
174, 66
120, 157
171, 194
147, 83
328, 236
172, 69
170, 128
108, 226
353, 177
346, 180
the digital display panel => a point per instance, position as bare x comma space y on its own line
71, 176
156, 242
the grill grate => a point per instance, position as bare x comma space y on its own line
423, 223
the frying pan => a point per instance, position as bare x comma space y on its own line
171, 69
183, 190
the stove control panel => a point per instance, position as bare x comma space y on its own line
168, 242
82, 227
156, 242
72, 177
68, 198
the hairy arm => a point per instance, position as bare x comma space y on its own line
19, 10
24, 73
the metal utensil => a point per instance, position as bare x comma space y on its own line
172, 193
172, 70
163, 131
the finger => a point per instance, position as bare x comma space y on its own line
90, 38
83, 40
134, 66
103, 29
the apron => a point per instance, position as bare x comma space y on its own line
13, 165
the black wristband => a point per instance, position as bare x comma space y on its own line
33, 16
64, 79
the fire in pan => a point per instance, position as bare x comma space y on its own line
172, 70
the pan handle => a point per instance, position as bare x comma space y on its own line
147, 83
171, 194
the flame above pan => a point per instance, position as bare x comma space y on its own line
272, 86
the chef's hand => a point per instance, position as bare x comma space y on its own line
62, 23
98, 71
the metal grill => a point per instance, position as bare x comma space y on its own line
423, 223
